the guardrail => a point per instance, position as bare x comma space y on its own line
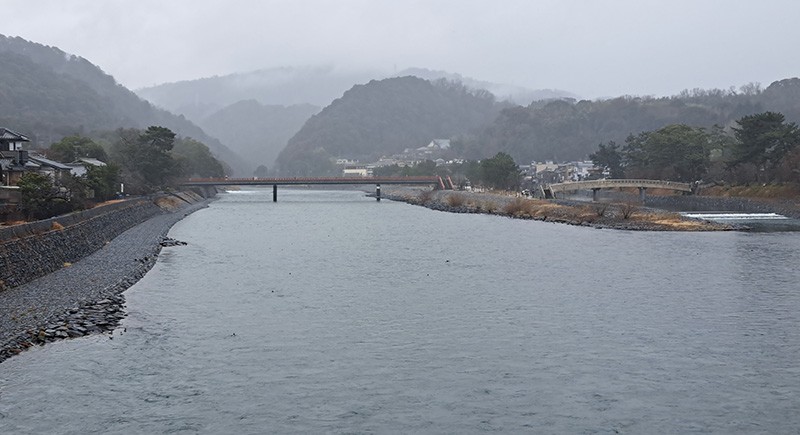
309, 180
605, 184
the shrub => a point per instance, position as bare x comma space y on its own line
455, 200
627, 210
517, 207
425, 197
600, 209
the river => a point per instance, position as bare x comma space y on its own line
331, 312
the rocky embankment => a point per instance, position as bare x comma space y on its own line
623, 215
85, 297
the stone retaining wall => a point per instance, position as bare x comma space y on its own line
32, 250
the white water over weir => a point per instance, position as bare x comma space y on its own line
710, 216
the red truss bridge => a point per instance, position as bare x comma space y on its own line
437, 182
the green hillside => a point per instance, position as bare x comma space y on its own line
47, 94
570, 130
383, 118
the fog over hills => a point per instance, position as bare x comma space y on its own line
285, 86
318, 86
256, 112
48, 94
256, 130
503, 92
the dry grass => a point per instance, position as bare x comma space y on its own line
611, 215
543, 209
111, 201
56, 226
455, 200
674, 221
425, 196
169, 203
488, 206
518, 207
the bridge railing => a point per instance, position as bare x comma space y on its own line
313, 180
631, 182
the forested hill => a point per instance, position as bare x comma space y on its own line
569, 130
503, 92
383, 118
47, 94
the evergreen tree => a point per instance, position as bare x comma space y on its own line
763, 139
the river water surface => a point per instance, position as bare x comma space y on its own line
331, 312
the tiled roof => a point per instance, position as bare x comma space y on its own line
12, 135
91, 161
47, 162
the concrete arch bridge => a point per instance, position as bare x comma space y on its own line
551, 190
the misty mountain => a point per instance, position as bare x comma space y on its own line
197, 99
48, 94
568, 130
244, 109
255, 130
503, 92
383, 118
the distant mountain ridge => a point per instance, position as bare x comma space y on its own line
565, 130
49, 94
287, 86
318, 86
253, 112
503, 92
384, 117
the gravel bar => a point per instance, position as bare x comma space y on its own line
85, 297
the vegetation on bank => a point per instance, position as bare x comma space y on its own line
136, 162
761, 148
498, 172
622, 215
49, 94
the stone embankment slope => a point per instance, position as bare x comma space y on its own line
624, 216
83, 296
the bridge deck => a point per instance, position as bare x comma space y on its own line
308, 181
607, 184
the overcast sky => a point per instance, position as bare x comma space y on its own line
591, 48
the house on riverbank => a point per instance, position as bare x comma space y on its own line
15, 162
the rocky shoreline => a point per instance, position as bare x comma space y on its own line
619, 216
85, 297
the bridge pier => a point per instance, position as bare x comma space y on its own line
274, 193
594, 194
378, 192
641, 194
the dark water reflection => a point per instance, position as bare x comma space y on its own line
329, 312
